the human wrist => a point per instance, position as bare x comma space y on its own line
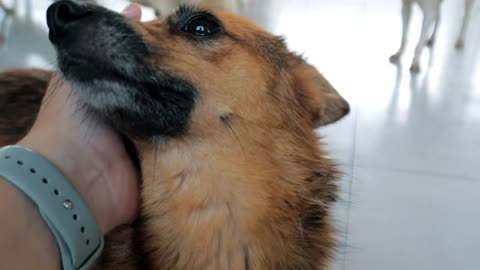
86, 168
89, 153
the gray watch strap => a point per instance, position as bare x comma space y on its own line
67, 215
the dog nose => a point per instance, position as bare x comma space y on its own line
63, 14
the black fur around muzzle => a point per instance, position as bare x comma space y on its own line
106, 61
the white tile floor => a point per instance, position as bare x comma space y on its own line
410, 149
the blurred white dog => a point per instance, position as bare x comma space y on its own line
164, 7
431, 16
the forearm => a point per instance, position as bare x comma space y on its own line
25, 240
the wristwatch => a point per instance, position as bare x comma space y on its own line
64, 211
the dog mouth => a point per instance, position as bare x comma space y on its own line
107, 63
95, 45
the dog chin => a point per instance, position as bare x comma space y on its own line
105, 95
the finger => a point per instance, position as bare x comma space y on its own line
133, 12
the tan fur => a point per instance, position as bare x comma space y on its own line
248, 186
167, 6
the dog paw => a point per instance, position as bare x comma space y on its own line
415, 68
430, 42
459, 44
394, 58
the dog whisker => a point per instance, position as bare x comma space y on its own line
155, 164
54, 89
227, 121
170, 50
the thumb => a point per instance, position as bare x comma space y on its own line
133, 12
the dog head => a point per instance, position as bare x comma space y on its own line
193, 71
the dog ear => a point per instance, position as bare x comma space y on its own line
323, 104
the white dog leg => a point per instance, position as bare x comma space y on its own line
4, 7
468, 12
428, 18
432, 39
406, 14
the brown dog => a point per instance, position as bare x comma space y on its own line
222, 116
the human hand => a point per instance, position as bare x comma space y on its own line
87, 151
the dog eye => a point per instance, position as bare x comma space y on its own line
202, 25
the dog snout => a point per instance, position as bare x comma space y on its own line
62, 15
